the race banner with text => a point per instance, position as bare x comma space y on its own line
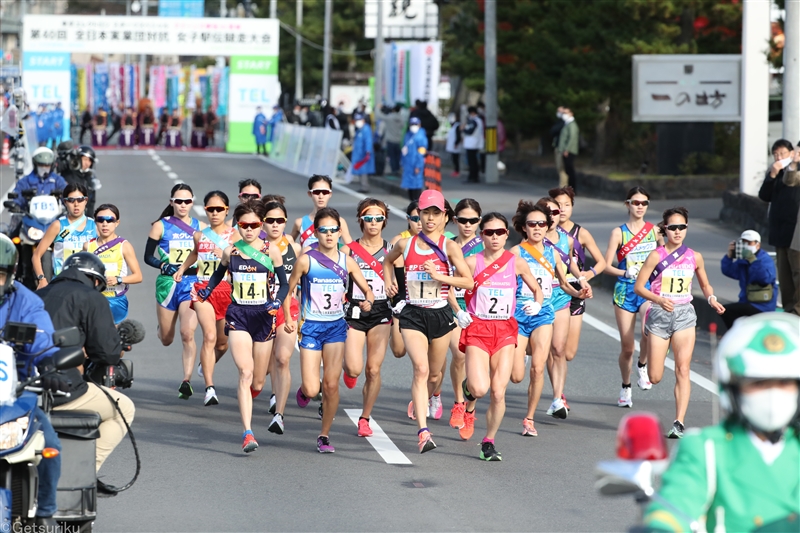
253, 83
46, 78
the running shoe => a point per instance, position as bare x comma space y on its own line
272, 403
625, 399
644, 379
457, 415
527, 428
411, 414
468, 428
211, 397
249, 443
200, 370
276, 426
435, 407
185, 390
557, 409
349, 382
564, 399
426, 443
363, 428
302, 399
319, 411
488, 453
254, 393
676, 431
324, 445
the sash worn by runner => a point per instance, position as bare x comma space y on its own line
487, 273
367, 257
218, 240
72, 227
472, 243
107, 246
435, 247
180, 224
634, 242
255, 255
536, 254
306, 234
667, 261
328, 263
577, 247
561, 253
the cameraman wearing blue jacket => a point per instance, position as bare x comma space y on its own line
758, 292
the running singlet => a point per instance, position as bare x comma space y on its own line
576, 229
675, 282
175, 244
323, 291
289, 259
251, 279
373, 279
306, 223
459, 293
563, 244
639, 254
539, 272
115, 265
495, 299
207, 261
69, 242
421, 289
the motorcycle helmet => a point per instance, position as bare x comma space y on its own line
43, 158
8, 264
64, 147
87, 151
89, 264
760, 347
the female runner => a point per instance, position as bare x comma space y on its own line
250, 318
399, 300
172, 237
671, 319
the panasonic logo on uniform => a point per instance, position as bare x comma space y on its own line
325, 280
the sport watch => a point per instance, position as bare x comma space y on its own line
40, 277
119, 280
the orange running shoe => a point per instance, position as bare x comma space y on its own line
363, 428
426, 443
527, 428
469, 426
457, 415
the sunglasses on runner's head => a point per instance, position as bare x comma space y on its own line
638, 203
413, 218
328, 229
249, 225
101, 219
271, 220
470, 221
373, 218
323, 192
249, 196
536, 223
76, 199
498, 231
216, 208
180, 201
677, 227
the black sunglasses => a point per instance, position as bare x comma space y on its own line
271, 220
470, 221
677, 227
498, 231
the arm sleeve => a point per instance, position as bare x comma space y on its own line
102, 339
765, 193
283, 288
729, 267
216, 277
762, 270
150, 253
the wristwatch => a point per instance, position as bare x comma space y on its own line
119, 280
40, 277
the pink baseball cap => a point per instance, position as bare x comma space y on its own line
431, 198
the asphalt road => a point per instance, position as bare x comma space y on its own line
195, 477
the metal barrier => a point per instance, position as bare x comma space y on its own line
306, 150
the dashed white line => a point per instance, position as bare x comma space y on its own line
380, 441
172, 175
166, 168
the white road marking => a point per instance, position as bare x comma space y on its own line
151, 151
199, 210
172, 175
668, 362
166, 168
380, 441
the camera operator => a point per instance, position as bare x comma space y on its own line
755, 271
18, 304
77, 166
74, 298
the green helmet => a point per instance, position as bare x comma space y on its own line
43, 156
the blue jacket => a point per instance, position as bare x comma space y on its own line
761, 271
42, 128
58, 122
417, 144
52, 182
23, 305
363, 155
260, 128
276, 118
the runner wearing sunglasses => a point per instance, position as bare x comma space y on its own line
320, 189
119, 257
426, 320
630, 244
671, 319
490, 336
250, 319
171, 237
535, 319
209, 246
398, 301
323, 276
249, 190
68, 234
374, 326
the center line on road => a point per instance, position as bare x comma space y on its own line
668, 362
380, 441
172, 175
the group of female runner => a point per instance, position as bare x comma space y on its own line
422, 292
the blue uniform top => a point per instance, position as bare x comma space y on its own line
276, 118
24, 306
414, 159
58, 121
260, 128
541, 274
323, 292
304, 225
42, 133
66, 245
42, 186
639, 253
759, 272
175, 244
362, 147
563, 245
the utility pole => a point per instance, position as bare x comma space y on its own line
791, 72
223, 9
378, 103
143, 61
490, 92
298, 54
273, 9
326, 58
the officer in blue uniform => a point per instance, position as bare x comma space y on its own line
363, 156
260, 131
415, 147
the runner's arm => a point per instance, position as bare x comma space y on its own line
156, 232
134, 271
565, 286
296, 228
524, 271
280, 273
191, 259
573, 265
388, 267
219, 273
346, 238
300, 269
590, 246
44, 245
358, 279
640, 287
614, 242
705, 286
463, 279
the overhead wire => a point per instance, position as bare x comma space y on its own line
293, 31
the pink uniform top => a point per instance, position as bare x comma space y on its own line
675, 281
496, 298
421, 289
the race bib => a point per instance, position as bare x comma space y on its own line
179, 251
494, 304
676, 284
326, 299
207, 267
543, 277
375, 284
250, 288
422, 290
639, 254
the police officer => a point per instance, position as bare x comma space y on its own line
43, 179
74, 298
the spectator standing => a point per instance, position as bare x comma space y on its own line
86, 125
260, 131
482, 115
755, 271
453, 144
363, 156
784, 203
555, 133
394, 136
568, 146
473, 143
428, 122
58, 124
415, 147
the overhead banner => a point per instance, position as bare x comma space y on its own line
181, 8
253, 83
151, 35
424, 73
409, 19
47, 81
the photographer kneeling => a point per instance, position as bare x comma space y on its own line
755, 271
74, 298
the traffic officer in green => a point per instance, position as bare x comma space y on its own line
744, 473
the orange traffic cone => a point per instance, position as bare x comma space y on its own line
5, 160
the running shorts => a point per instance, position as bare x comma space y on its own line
433, 323
664, 324
294, 310
119, 308
170, 294
489, 335
253, 319
577, 306
315, 334
380, 314
527, 324
626, 299
219, 299
560, 299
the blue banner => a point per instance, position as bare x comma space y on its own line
181, 8
222, 104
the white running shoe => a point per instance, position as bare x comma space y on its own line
272, 402
557, 409
644, 379
276, 426
211, 397
625, 397
200, 370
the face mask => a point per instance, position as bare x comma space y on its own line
413, 129
750, 248
559, 114
359, 124
452, 119
42, 171
770, 409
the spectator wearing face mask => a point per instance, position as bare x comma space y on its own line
414, 150
473, 143
755, 271
363, 156
454, 143
555, 133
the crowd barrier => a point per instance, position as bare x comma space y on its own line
306, 150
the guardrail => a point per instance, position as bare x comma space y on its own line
305, 150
